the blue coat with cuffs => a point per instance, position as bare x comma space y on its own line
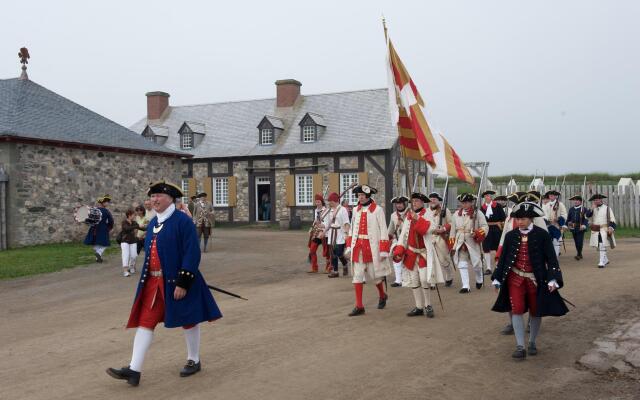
179, 252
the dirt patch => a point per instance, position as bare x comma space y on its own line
293, 340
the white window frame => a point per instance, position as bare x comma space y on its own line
309, 133
346, 180
186, 141
266, 133
304, 190
185, 191
220, 192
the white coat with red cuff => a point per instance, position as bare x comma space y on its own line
368, 241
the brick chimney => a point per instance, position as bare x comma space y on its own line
287, 92
157, 102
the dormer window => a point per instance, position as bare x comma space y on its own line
156, 134
268, 130
311, 127
308, 133
191, 134
266, 136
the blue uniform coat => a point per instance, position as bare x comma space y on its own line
99, 234
179, 249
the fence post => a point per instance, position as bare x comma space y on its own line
4, 190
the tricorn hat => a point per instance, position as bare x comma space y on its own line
366, 189
463, 197
516, 196
399, 199
104, 199
435, 195
501, 198
203, 194
166, 188
486, 192
576, 197
527, 209
531, 195
420, 196
553, 192
597, 196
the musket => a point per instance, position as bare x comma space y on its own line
226, 292
475, 218
335, 233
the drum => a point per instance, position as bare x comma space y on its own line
88, 215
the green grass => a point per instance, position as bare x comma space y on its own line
33, 260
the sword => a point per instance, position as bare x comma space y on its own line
567, 301
439, 298
226, 292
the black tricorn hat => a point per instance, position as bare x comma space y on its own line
490, 192
597, 196
531, 195
104, 199
501, 198
166, 188
399, 199
462, 197
435, 195
553, 192
527, 209
203, 194
576, 197
366, 189
420, 196
516, 196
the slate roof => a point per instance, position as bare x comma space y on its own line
355, 121
30, 111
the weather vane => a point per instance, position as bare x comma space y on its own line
24, 60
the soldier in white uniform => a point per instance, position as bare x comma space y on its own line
602, 223
368, 244
556, 215
395, 226
469, 228
441, 220
421, 267
337, 224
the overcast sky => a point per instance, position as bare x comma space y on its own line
551, 86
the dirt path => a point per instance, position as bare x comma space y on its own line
293, 340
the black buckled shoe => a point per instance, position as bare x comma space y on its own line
478, 286
333, 274
464, 290
415, 312
132, 377
98, 257
429, 312
356, 311
395, 284
448, 283
382, 303
519, 354
532, 349
190, 368
345, 271
507, 330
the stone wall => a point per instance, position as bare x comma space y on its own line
47, 183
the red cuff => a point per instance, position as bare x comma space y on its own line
398, 252
348, 241
447, 227
385, 246
422, 226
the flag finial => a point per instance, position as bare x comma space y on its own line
24, 60
384, 26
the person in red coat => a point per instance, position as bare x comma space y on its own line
171, 289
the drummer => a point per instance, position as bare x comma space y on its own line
98, 235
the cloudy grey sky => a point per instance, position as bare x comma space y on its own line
558, 78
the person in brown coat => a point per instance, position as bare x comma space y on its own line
128, 243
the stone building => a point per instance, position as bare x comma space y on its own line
278, 151
58, 155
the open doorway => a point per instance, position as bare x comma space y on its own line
263, 199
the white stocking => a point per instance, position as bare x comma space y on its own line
192, 337
141, 344
398, 270
419, 298
463, 267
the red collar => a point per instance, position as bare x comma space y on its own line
372, 206
493, 205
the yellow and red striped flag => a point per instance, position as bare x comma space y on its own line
406, 105
449, 163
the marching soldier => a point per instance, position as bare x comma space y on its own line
503, 202
469, 228
556, 215
441, 219
416, 252
395, 226
203, 218
337, 224
603, 224
495, 216
368, 244
577, 222
317, 237
527, 278
98, 235
171, 289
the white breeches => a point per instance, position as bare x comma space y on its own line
463, 267
364, 272
99, 249
129, 254
397, 268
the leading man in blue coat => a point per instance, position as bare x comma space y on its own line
98, 235
171, 288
